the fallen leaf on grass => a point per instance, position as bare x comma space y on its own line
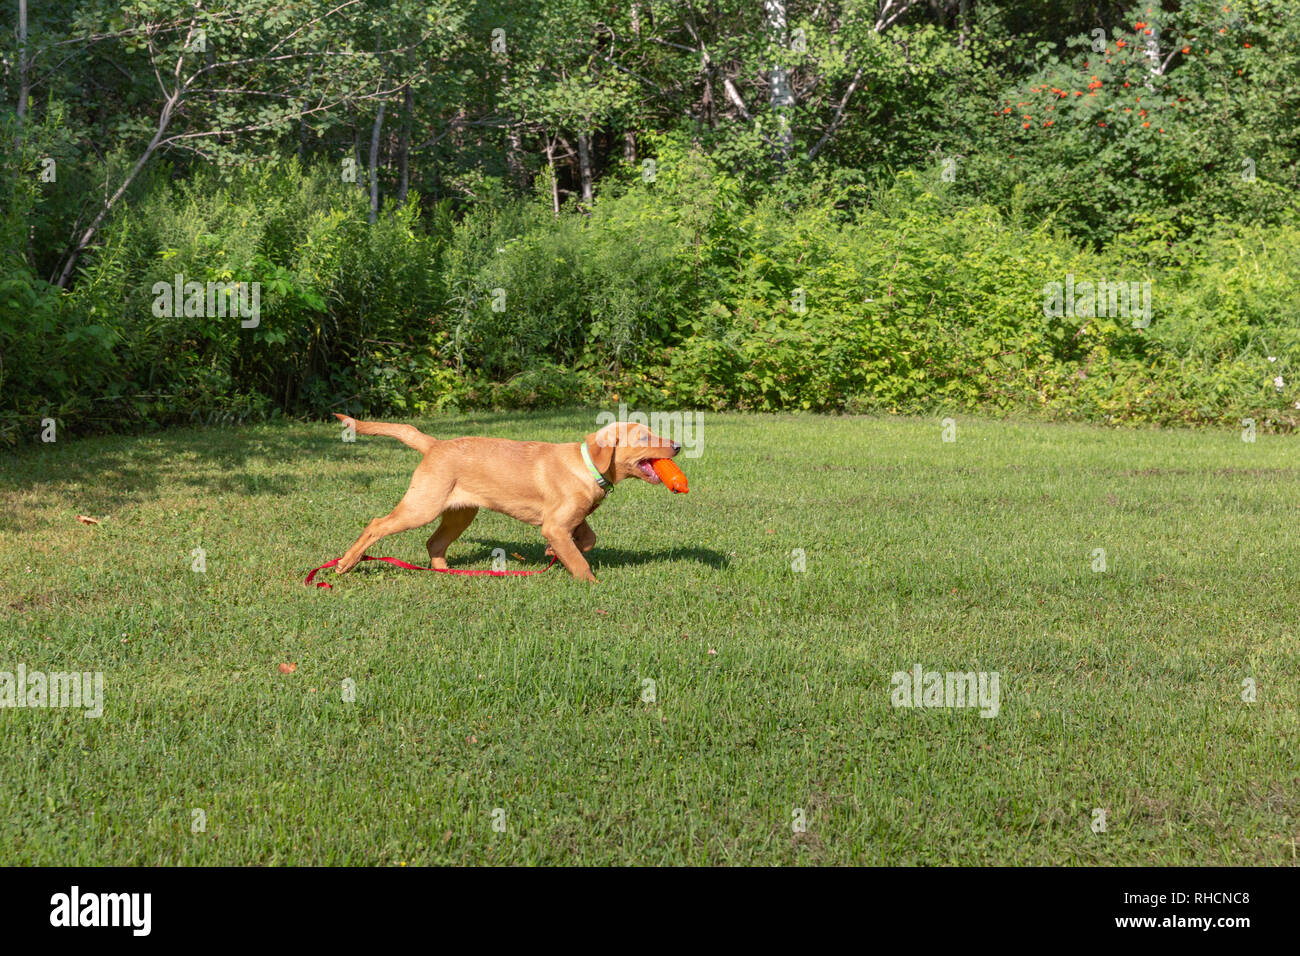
87, 519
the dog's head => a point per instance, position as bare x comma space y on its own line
625, 449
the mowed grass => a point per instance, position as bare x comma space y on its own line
523, 697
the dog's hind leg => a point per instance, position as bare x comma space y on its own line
451, 527
414, 510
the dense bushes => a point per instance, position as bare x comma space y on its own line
347, 310
682, 292
883, 240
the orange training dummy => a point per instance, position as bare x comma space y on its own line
670, 474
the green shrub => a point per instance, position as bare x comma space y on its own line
349, 311
677, 293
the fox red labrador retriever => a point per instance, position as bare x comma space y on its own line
551, 486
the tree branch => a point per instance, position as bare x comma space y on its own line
838, 119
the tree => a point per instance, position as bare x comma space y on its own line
224, 75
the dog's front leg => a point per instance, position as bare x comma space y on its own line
583, 537
560, 535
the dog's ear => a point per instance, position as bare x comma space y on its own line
601, 445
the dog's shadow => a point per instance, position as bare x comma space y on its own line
599, 557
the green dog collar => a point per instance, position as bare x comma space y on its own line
605, 484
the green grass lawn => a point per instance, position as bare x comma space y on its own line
1120, 690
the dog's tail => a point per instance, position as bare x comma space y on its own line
406, 434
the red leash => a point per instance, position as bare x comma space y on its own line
416, 567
